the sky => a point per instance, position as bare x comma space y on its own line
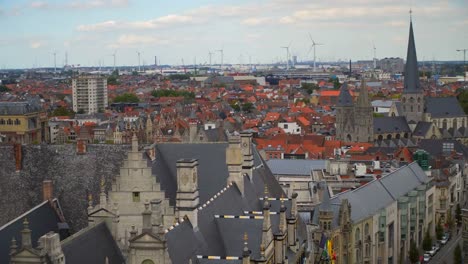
185, 31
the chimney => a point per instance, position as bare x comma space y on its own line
50, 243
81, 146
18, 156
234, 162
187, 199
47, 190
247, 162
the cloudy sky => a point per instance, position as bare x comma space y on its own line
90, 31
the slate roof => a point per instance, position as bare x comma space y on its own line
435, 146
368, 199
19, 108
42, 219
219, 236
92, 245
422, 128
440, 107
295, 167
345, 99
411, 83
391, 124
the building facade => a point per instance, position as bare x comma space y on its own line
89, 94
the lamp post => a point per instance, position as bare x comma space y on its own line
464, 60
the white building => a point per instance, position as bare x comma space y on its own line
89, 94
290, 127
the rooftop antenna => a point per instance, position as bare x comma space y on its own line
66, 58
314, 44
155, 61
139, 68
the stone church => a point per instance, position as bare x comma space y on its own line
412, 118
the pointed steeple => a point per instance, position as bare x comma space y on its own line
345, 99
325, 206
411, 67
363, 99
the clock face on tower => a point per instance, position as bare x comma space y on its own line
245, 144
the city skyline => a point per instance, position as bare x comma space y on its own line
180, 32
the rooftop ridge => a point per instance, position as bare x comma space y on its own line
219, 257
24, 214
215, 196
82, 231
239, 216
179, 221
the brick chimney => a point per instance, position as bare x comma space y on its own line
18, 156
81, 146
47, 190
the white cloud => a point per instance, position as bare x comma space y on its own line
103, 26
39, 4
132, 40
255, 21
84, 4
36, 44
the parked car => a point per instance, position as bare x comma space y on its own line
431, 252
427, 257
445, 238
436, 246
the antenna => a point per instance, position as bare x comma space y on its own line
66, 58
314, 44
375, 56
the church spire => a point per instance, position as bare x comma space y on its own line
411, 68
363, 99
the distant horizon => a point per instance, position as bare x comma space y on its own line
179, 32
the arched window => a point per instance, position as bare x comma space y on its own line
2, 121
389, 136
366, 229
147, 261
444, 124
348, 137
380, 137
9, 122
397, 136
17, 122
357, 235
455, 123
411, 100
411, 107
419, 100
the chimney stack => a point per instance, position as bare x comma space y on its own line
187, 199
147, 225
234, 161
47, 190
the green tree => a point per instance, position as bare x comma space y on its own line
112, 80
236, 107
4, 88
449, 220
126, 98
457, 255
336, 83
62, 111
463, 100
427, 241
173, 93
309, 87
439, 231
413, 253
247, 107
458, 215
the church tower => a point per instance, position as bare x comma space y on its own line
412, 99
345, 115
364, 130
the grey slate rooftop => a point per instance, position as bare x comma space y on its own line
295, 167
440, 107
391, 124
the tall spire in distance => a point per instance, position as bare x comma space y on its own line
411, 68
363, 98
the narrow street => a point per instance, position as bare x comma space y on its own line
445, 254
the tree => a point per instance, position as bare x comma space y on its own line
336, 83
457, 255
247, 107
236, 107
458, 215
112, 80
173, 93
439, 231
427, 241
413, 253
126, 98
463, 100
309, 87
4, 88
449, 219
62, 111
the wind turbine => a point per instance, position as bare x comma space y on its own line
221, 51
314, 44
138, 61
209, 55
55, 61
287, 55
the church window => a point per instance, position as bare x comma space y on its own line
147, 261
348, 137
366, 229
389, 136
2, 121
9, 122
397, 136
136, 197
17, 122
357, 235
380, 137
411, 100
455, 123
444, 124
419, 108
419, 100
